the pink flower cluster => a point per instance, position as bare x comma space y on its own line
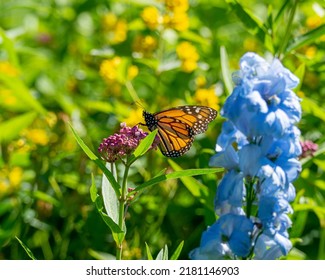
308, 148
123, 143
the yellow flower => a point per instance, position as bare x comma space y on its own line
15, 176
200, 81
37, 136
132, 72
109, 69
177, 5
186, 50
116, 29
314, 21
109, 21
188, 65
311, 52
8, 69
134, 117
8, 98
151, 17
144, 45
179, 21
10, 180
207, 97
188, 55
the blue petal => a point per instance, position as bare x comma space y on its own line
230, 193
227, 158
250, 159
270, 247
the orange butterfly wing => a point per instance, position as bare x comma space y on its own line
177, 127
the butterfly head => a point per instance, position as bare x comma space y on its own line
150, 120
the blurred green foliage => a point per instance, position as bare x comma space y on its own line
91, 63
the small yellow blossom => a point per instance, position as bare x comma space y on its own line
151, 17
178, 21
310, 52
7, 98
8, 69
109, 69
133, 71
200, 81
188, 65
115, 29
145, 45
10, 180
51, 119
15, 176
314, 21
188, 55
186, 50
37, 136
207, 97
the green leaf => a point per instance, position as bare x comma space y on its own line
112, 225
281, 11
194, 37
226, 70
306, 39
93, 189
163, 254
178, 251
251, 22
196, 188
98, 162
100, 255
22, 93
27, 250
144, 146
82, 144
300, 73
311, 107
10, 129
117, 232
8, 45
7, 205
176, 175
149, 255
111, 201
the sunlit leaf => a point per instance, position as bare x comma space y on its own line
177, 252
225, 70
306, 39
149, 255
11, 129
27, 250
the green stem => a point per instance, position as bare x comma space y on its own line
123, 200
132, 92
287, 34
249, 196
321, 252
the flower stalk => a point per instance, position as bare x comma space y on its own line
262, 112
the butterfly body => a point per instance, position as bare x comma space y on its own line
177, 127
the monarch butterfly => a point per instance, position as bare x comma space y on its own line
177, 127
